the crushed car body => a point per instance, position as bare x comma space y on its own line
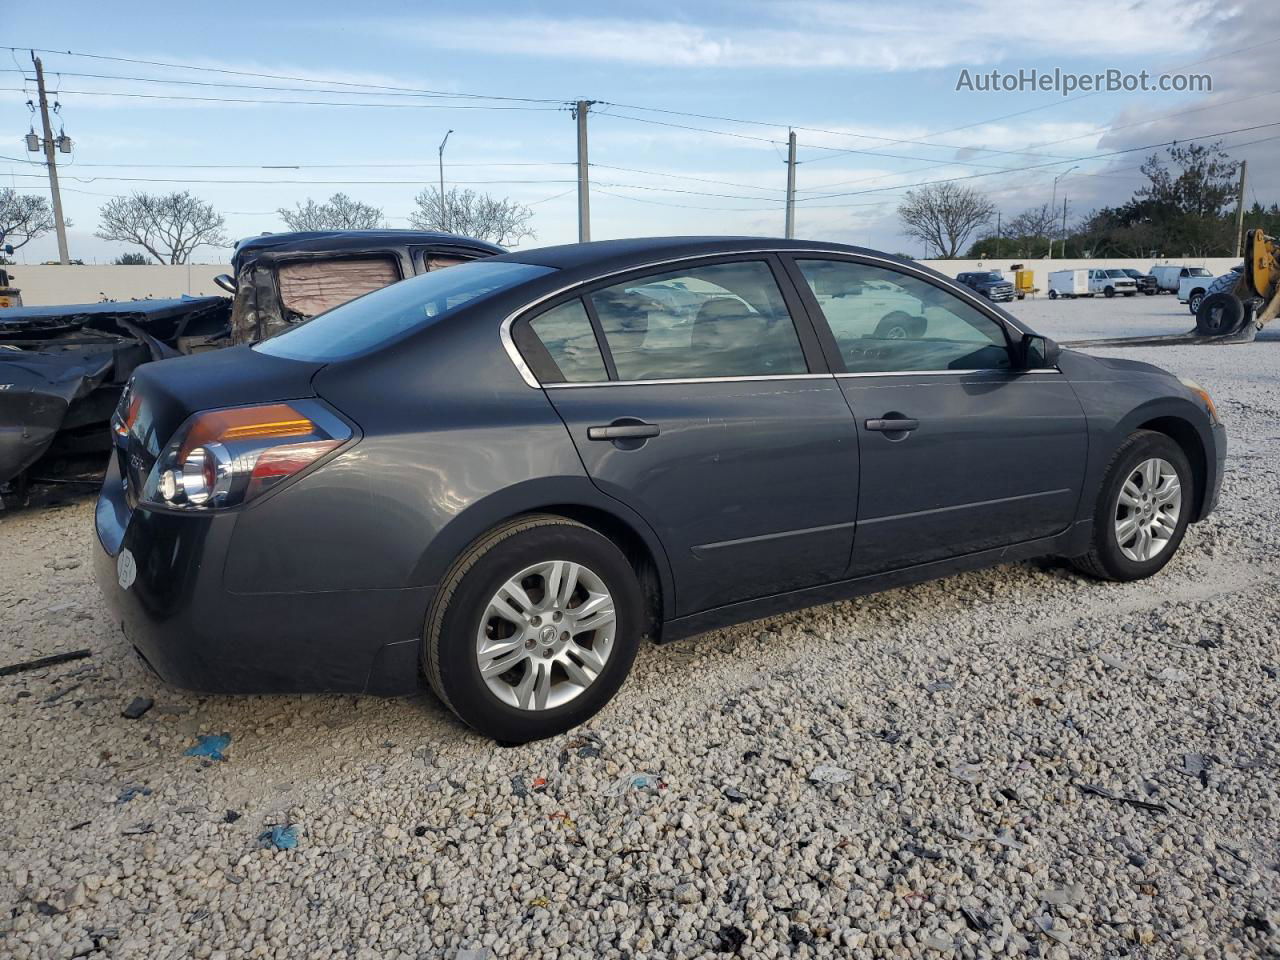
62, 368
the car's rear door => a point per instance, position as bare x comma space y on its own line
959, 451
696, 393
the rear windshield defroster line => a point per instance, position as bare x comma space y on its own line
383, 316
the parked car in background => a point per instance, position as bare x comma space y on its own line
281, 278
1069, 284
503, 476
1193, 288
1110, 282
1170, 275
990, 283
1145, 281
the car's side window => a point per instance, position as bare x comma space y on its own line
718, 320
885, 321
565, 333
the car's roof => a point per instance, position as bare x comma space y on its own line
613, 255
316, 241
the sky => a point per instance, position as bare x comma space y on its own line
687, 135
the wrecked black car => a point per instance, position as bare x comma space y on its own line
62, 368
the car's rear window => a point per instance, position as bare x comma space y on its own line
385, 315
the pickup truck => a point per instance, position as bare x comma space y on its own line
1199, 284
990, 283
62, 368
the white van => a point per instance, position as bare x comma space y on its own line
1069, 283
1110, 282
1169, 275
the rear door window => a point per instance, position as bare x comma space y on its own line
716, 320
565, 333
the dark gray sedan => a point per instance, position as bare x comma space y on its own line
501, 477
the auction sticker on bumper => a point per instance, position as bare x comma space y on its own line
126, 569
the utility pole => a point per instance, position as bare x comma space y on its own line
791, 184
584, 187
52, 164
1244, 166
444, 208
997, 234
1064, 226
1054, 204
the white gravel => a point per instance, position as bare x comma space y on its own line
897, 776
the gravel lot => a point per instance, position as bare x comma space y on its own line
959, 720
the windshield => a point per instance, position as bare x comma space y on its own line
992, 277
1118, 274
385, 315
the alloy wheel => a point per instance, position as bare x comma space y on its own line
546, 635
1148, 509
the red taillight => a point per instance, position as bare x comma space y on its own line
222, 458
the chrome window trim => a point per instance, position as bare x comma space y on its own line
944, 373
638, 383
508, 344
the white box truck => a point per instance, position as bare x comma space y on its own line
1069, 283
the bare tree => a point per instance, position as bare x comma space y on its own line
472, 214
944, 215
339, 212
23, 218
168, 227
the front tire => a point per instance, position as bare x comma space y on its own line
1142, 510
534, 628
1053, 294
1109, 292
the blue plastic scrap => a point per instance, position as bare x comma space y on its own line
210, 745
282, 838
128, 793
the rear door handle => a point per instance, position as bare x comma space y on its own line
893, 425
624, 431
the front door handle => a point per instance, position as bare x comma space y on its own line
893, 424
624, 431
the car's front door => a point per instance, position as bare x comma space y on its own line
959, 451
710, 415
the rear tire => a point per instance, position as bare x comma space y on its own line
1053, 294
1110, 558
463, 618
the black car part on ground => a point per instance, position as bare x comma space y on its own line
62, 368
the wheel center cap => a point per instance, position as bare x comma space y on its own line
548, 635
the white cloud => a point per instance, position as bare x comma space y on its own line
811, 34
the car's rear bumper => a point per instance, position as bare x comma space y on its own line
174, 609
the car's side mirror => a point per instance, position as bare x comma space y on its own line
1036, 352
225, 282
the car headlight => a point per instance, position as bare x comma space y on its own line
223, 458
1203, 394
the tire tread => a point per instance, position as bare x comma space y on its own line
453, 579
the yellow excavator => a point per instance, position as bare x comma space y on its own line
1236, 306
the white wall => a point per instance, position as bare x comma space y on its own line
50, 284
42, 285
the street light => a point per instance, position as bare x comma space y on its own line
1053, 207
444, 216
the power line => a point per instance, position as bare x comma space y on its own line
1052, 163
304, 103
277, 76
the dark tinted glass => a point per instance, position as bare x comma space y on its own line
384, 315
565, 332
722, 320
887, 322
